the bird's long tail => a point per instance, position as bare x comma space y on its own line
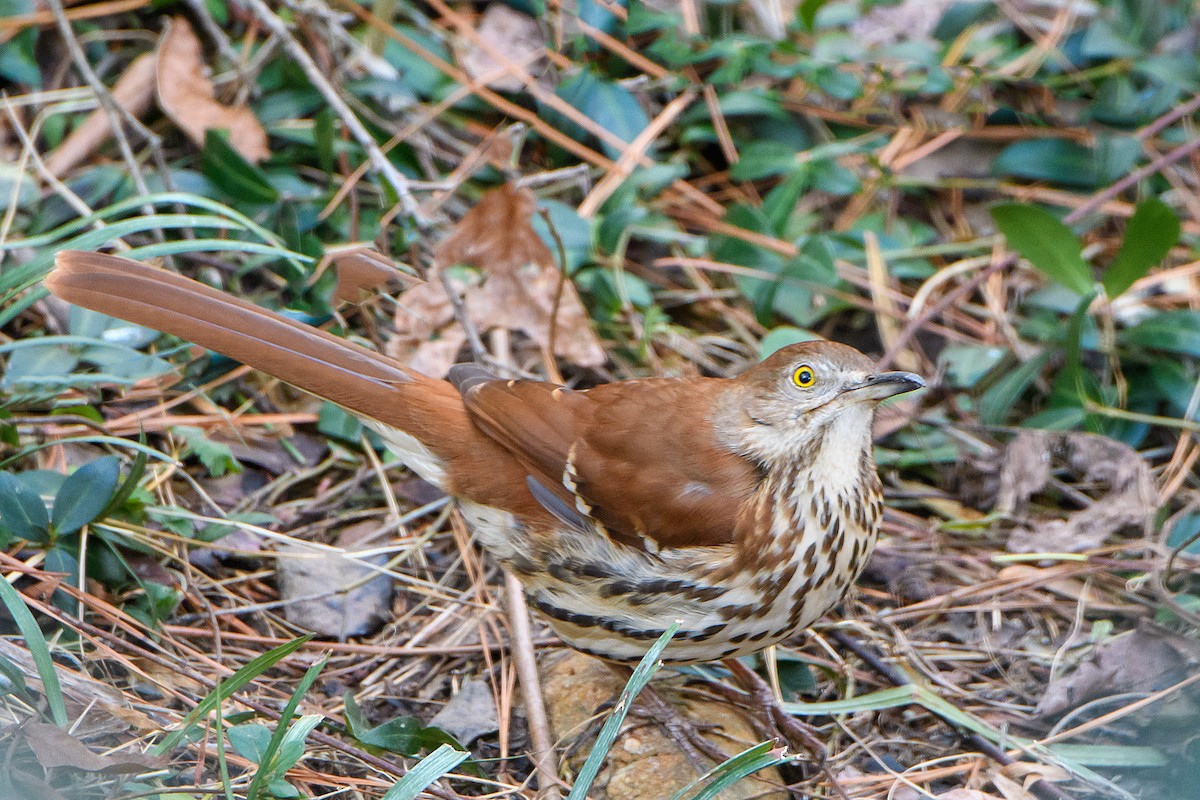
318, 362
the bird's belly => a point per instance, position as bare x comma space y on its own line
610, 601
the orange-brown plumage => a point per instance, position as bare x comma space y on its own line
743, 507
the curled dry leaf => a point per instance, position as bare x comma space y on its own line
187, 96
519, 282
510, 43
133, 91
1143, 660
54, 747
338, 596
1129, 499
97, 708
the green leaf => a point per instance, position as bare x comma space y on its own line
612, 726
1000, 397
1068, 163
250, 741
721, 777
764, 160
1150, 234
85, 493
1045, 242
255, 667
216, 457
807, 12
226, 167
1173, 331
782, 336
609, 104
404, 735
22, 511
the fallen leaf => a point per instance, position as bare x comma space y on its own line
505, 34
54, 747
133, 91
470, 714
965, 794
334, 595
1126, 497
1143, 660
519, 281
97, 708
188, 98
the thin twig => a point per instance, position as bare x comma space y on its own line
397, 179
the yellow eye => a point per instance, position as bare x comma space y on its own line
804, 376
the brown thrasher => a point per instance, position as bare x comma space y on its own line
742, 507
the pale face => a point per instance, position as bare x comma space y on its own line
793, 398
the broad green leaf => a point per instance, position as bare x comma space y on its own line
807, 12
1150, 234
609, 104
1173, 331
1045, 242
1068, 163
226, 167
22, 511
250, 740
85, 493
782, 336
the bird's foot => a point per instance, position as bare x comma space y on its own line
682, 731
772, 716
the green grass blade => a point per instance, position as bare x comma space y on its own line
428, 770
608, 734
212, 246
281, 728
227, 687
721, 777
39, 649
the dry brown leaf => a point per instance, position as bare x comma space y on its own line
133, 91
1143, 660
517, 37
187, 96
54, 747
520, 280
1129, 501
97, 707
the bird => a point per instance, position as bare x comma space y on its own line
742, 508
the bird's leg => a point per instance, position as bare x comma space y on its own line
685, 733
764, 703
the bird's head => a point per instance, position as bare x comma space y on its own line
795, 398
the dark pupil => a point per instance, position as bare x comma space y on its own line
805, 376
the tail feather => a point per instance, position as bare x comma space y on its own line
428, 426
314, 360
